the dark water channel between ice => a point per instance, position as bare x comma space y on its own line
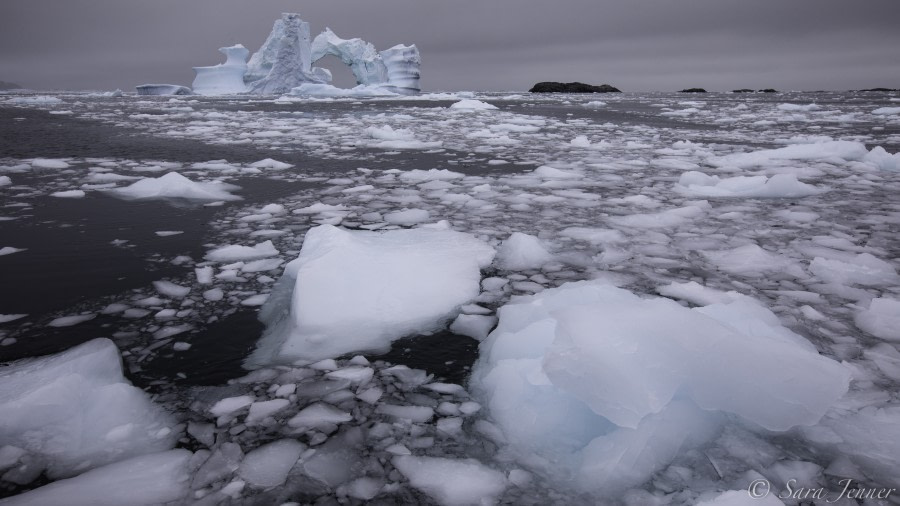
73, 265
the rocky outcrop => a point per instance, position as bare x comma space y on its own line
9, 86
576, 87
693, 90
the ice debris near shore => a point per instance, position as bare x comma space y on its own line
615, 385
66, 413
284, 64
358, 290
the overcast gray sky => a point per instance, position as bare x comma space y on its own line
636, 45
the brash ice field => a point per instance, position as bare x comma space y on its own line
449, 298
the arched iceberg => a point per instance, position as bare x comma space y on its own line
224, 78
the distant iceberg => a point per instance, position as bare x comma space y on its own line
225, 78
284, 64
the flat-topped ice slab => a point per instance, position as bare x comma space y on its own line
624, 383
357, 290
75, 411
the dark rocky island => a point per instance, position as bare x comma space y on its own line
693, 90
9, 86
747, 90
554, 87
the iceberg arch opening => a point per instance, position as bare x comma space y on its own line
341, 74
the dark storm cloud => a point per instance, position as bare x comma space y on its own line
474, 44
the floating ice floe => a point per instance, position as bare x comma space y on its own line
9, 250
881, 318
157, 478
174, 185
699, 184
75, 411
69, 194
846, 150
611, 387
356, 290
236, 252
469, 104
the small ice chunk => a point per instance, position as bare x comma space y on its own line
474, 326
255, 300
69, 194
68, 321
696, 293
371, 395
407, 217
418, 414
881, 318
469, 104
522, 252
170, 289
364, 488
356, 375
318, 415
268, 465
229, 405
213, 294
11, 317
747, 260
234, 253
452, 482
204, 275
268, 163
49, 163
9, 250
260, 410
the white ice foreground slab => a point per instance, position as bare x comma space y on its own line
74, 411
616, 386
145, 480
356, 290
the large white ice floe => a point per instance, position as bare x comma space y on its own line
844, 150
616, 385
698, 184
358, 290
174, 185
225, 78
75, 411
145, 480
